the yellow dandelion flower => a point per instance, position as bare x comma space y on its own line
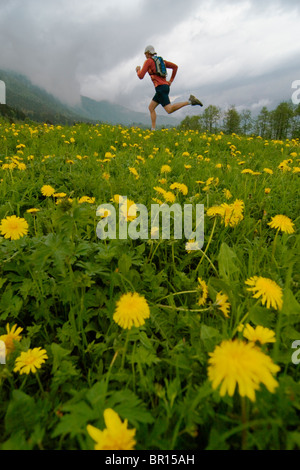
89, 200
154, 233
209, 181
116, 435
261, 334
106, 176
13, 334
237, 363
284, 166
132, 309
169, 196
214, 211
296, 169
108, 155
222, 303
268, 170
283, 223
165, 169
128, 210
47, 190
30, 361
13, 227
134, 172
267, 190
271, 294
159, 190
233, 213
181, 187
192, 246
117, 199
204, 292
33, 210
227, 193
163, 181
103, 212
22, 166
157, 201
59, 195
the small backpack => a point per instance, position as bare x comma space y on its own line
161, 69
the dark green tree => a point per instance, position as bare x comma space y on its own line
210, 118
262, 125
246, 121
191, 122
281, 120
232, 121
295, 130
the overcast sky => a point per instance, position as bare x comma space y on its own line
229, 52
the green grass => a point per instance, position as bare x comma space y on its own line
60, 283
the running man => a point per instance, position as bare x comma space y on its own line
162, 86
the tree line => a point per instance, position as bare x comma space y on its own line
281, 123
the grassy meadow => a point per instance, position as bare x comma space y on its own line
146, 344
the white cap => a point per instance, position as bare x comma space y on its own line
150, 49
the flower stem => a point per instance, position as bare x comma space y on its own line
208, 243
274, 243
124, 350
40, 383
244, 422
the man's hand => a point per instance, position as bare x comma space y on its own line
137, 69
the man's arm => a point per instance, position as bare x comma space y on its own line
174, 68
142, 72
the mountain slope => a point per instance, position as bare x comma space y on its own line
34, 102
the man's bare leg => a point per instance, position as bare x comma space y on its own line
151, 108
171, 108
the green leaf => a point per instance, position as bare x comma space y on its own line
144, 356
75, 420
21, 413
124, 264
290, 305
210, 337
227, 260
130, 407
59, 354
262, 316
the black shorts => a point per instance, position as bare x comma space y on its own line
162, 95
